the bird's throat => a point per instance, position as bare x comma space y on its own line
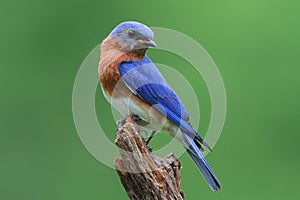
137, 54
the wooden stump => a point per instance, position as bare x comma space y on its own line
144, 175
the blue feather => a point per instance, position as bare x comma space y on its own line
144, 79
202, 164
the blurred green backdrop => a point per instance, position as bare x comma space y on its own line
255, 44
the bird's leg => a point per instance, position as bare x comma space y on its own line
139, 121
120, 123
148, 140
142, 130
150, 137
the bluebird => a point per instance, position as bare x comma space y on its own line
131, 82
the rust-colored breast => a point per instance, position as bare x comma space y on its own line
111, 57
110, 77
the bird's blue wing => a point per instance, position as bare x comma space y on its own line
144, 79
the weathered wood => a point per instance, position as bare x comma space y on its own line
144, 175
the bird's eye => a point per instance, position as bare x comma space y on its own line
131, 33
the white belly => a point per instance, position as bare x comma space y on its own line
156, 121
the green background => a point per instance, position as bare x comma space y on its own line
255, 45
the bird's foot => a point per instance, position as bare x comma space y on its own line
146, 137
139, 121
150, 137
120, 123
142, 130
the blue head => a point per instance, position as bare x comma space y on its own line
133, 35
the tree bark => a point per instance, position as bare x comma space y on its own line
143, 175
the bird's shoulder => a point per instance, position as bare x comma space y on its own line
134, 64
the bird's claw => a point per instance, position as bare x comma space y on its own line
137, 119
142, 130
120, 123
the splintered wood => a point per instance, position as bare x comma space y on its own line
144, 175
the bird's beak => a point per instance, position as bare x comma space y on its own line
148, 42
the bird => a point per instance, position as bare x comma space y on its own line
131, 82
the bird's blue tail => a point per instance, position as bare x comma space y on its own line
208, 174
